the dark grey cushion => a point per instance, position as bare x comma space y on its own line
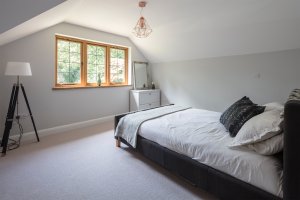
238, 113
230, 111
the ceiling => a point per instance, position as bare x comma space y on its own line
183, 29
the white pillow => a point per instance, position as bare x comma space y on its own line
274, 106
268, 147
259, 128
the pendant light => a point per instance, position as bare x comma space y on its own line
142, 28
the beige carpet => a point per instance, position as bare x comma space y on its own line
85, 164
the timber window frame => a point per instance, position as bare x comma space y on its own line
109, 80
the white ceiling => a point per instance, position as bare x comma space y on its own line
183, 29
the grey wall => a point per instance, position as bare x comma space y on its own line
215, 83
59, 107
15, 12
2, 97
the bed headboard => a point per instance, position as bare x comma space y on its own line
291, 151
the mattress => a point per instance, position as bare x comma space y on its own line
199, 135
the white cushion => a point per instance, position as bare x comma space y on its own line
259, 128
268, 147
274, 106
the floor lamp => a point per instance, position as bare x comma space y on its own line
16, 69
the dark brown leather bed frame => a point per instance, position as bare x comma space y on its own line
221, 184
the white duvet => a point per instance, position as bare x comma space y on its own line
198, 134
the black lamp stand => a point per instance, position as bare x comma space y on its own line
13, 103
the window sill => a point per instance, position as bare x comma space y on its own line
84, 87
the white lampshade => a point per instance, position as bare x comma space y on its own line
18, 69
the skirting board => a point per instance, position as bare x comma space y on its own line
59, 129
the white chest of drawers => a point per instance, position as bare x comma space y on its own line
144, 99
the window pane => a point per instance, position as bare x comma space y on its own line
117, 74
74, 77
101, 51
92, 68
74, 47
91, 78
63, 56
74, 67
117, 65
63, 45
96, 59
63, 67
99, 59
74, 57
62, 78
68, 62
92, 50
121, 54
92, 59
101, 69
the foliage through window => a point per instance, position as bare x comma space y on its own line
85, 63
96, 64
117, 65
68, 62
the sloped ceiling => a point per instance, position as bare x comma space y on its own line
183, 29
15, 12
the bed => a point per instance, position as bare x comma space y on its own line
227, 173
